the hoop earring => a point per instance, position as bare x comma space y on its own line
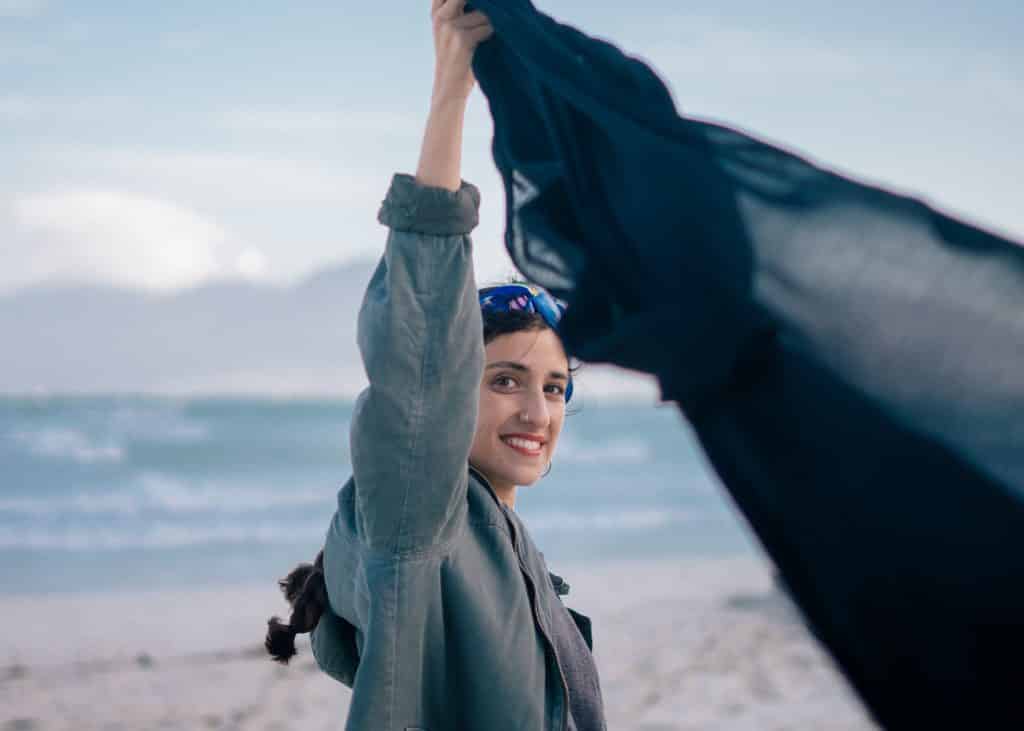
548, 470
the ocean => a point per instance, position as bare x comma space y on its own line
102, 494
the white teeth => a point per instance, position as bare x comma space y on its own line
522, 443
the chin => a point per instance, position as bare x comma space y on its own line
524, 477
516, 475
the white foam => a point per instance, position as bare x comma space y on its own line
178, 533
161, 535
157, 492
173, 495
69, 444
81, 504
619, 521
124, 423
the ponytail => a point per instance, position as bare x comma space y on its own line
306, 592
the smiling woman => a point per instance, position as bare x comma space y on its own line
430, 598
522, 400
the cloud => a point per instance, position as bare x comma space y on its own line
251, 264
115, 237
22, 8
213, 176
299, 213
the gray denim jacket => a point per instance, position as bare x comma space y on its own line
442, 609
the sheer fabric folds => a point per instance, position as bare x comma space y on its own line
852, 360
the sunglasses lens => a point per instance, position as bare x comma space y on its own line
520, 297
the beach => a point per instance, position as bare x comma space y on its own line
684, 643
140, 541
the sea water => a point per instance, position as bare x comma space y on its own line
100, 494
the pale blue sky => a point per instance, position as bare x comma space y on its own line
160, 146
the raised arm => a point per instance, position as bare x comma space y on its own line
419, 328
456, 36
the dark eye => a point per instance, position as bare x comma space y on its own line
555, 389
505, 382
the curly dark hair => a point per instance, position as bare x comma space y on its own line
306, 592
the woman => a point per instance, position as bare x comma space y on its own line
442, 614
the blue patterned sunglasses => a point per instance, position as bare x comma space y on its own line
526, 298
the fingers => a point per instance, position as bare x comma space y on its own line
449, 9
471, 20
480, 34
473, 27
456, 36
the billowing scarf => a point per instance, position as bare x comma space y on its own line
851, 360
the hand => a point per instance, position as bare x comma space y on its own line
456, 36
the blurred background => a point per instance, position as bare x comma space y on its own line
188, 201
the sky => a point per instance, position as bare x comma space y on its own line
160, 146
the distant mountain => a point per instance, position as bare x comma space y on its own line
226, 338
221, 338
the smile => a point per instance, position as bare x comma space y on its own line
529, 447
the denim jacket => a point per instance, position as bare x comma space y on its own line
442, 610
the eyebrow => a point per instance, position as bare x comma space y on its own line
512, 365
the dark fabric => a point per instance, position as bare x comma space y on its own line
585, 626
586, 707
574, 645
571, 649
560, 585
851, 360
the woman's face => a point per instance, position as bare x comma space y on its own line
522, 405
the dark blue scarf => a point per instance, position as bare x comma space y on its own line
852, 360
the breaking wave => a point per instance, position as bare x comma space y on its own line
69, 444
163, 494
162, 536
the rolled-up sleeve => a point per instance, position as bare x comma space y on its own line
421, 341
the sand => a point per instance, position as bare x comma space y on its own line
694, 644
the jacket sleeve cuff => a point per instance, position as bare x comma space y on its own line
423, 209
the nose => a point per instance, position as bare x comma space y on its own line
534, 409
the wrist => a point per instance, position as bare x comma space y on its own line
450, 94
